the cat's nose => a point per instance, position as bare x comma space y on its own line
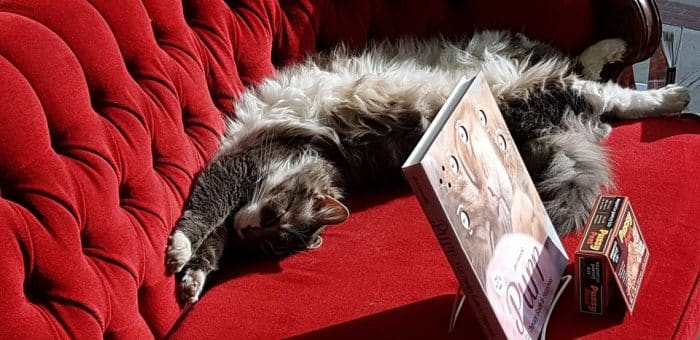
250, 233
251, 226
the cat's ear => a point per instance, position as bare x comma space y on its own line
328, 210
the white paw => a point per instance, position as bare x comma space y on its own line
674, 98
178, 252
613, 50
604, 52
191, 285
592, 71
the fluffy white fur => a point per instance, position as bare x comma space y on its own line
277, 171
423, 72
302, 95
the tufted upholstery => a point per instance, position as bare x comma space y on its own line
108, 109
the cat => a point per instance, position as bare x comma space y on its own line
348, 119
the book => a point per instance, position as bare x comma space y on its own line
474, 188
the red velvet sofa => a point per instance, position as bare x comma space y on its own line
108, 109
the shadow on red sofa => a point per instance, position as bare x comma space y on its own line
430, 318
653, 131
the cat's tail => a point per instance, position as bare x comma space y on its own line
576, 172
595, 57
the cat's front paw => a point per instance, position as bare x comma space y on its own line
191, 285
674, 98
178, 252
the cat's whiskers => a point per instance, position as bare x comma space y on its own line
265, 152
256, 189
459, 187
267, 247
297, 233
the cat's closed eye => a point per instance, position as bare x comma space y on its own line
270, 215
272, 221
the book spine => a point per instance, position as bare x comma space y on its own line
439, 221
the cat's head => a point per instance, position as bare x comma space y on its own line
294, 201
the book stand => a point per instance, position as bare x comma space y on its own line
460, 298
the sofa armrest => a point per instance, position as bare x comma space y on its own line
566, 23
636, 21
571, 25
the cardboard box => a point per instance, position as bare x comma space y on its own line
612, 256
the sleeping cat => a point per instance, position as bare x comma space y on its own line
349, 119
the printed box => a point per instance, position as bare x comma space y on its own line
612, 256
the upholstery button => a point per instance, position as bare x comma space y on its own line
124, 191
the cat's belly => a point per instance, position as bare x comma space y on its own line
379, 161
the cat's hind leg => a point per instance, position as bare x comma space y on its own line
572, 170
624, 103
204, 261
596, 56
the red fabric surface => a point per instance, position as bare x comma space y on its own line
109, 108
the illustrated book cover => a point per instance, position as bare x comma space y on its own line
475, 190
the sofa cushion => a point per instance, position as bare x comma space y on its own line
382, 274
108, 109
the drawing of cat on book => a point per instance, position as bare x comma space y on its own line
503, 226
477, 155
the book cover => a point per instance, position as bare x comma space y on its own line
485, 211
